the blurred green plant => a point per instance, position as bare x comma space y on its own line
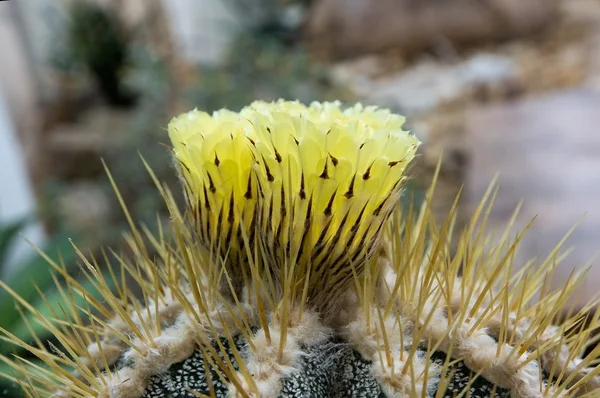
94, 41
8, 234
270, 19
34, 280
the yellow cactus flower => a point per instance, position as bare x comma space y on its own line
313, 183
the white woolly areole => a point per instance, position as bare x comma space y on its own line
268, 365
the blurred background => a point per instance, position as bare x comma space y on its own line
498, 86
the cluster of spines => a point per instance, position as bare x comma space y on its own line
407, 301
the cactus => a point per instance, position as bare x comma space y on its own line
292, 271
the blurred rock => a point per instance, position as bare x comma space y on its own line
424, 86
349, 28
564, 56
587, 12
566, 67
